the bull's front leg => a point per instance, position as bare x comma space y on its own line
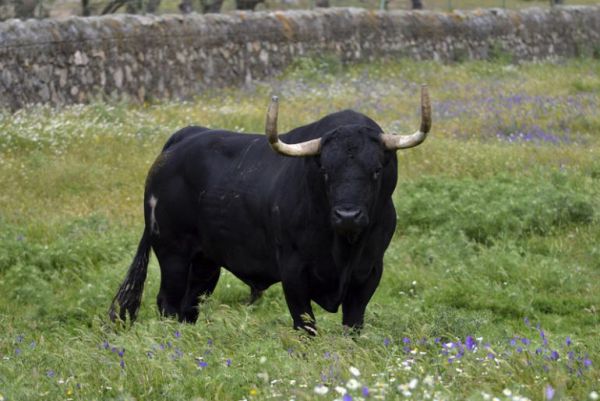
357, 298
297, 295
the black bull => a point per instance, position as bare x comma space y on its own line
313, 211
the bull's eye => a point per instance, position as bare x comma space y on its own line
376, 173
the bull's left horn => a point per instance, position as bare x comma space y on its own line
308, 148
395, 142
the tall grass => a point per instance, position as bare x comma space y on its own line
491, 285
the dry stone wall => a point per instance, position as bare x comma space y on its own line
148, 57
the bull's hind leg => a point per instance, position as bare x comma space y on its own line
174, 272
203, 278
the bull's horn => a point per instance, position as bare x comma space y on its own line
395, 142
308, 148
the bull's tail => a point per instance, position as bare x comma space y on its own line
129, 296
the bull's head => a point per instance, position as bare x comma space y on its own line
351, 159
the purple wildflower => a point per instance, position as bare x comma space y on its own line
365, 391
347, 397
568, 341
150, 354
50, 373
20, 338
587, 362
228, 362
32, 345
406, 340
105, 344
122, 363
122, 352
470, 343
210, 342
177, 334
538, 351
17, 351
327, 355
525, 341
519, 350
491, 355
554, 355
527, 322
549, 392
513, 342
386, 342
202, 364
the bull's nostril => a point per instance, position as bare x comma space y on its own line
347, 214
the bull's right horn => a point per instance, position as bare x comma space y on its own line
395, 142
308, 148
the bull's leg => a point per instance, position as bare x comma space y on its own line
174, 271
203, 278
295, 289
255, 295
357, 298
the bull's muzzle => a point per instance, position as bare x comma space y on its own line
348, 220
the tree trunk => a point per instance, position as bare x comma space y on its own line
417, 4
185, 6
211, 6
247, 4
322, 3
152, 6
25, 8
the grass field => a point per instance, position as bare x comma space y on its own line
491, 286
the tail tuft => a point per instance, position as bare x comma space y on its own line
129, 297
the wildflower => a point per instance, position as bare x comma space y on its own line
406, 340
554, 355
253, 391
568, 341
428, 380
507, 392
527, 322
347, 397
50, 373
549, 392
202, 364
262, 359
17, 351
587, 362
413, 384
525, 341
354, 371
1, 397
365, 392
105, 345
228, 362
470, 343
321, 389
122, 352
352, 384
177, 334
386, 342
593, 396
122, 364
341, 390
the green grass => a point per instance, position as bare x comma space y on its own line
497, 241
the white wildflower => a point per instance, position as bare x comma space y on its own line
594, 395
486, 396
341, 390
352, 384
354, 371
263, 359
428, 380
507, 392
321, 389
413, 384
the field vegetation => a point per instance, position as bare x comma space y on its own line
491, 286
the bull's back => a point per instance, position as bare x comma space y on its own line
212, 189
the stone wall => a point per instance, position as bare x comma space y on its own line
148, 57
